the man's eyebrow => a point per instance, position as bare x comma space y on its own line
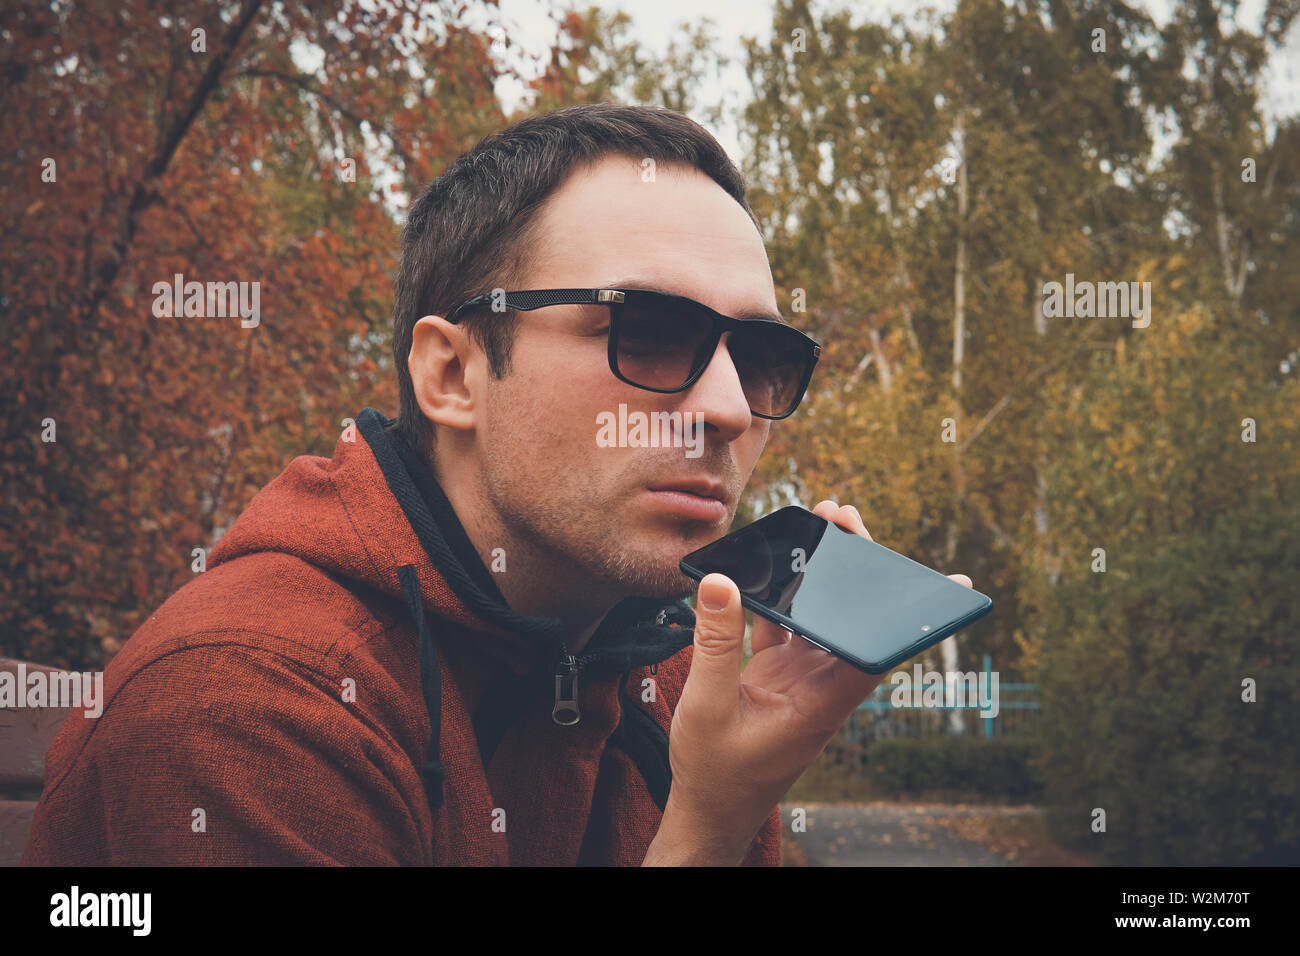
651, 287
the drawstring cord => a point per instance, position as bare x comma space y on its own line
432, 771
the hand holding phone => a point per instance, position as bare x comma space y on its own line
864, 603
740, 740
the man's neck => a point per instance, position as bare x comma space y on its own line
536, 581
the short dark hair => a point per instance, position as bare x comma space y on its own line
469, 231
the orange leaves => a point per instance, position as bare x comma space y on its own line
167, 426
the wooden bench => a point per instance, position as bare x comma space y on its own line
25, 736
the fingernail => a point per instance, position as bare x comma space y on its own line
714, 599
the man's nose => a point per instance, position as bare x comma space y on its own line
718, 395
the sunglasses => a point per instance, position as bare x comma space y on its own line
663, 342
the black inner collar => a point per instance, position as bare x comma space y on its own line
629, 635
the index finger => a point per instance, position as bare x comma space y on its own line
846, 516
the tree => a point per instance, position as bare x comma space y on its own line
194, 142
922, 183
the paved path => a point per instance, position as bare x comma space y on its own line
875, 834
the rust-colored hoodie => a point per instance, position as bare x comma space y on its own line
345, 684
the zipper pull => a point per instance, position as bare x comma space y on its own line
566, 711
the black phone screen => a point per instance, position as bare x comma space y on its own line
855, 598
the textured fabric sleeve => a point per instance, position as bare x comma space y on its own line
224, 754
766, 848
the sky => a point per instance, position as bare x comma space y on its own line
532, 29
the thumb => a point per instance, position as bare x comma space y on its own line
719, 642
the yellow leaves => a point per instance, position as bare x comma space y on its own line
1097, 418
1031, 648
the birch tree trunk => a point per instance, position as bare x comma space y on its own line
1042, 525
948, 648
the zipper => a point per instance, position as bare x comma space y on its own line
567, 668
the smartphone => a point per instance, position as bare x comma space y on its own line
860, 601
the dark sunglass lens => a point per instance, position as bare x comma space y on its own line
771, 360
659, 341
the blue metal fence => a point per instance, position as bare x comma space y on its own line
879, 717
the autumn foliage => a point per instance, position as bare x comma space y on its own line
918, 182
141, 145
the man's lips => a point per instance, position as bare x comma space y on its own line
699, 501
701, 487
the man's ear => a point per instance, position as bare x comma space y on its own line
445, 372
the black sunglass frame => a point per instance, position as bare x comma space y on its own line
528, 299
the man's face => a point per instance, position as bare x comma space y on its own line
542, 467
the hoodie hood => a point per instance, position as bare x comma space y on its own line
375, 516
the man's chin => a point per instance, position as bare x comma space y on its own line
652, 579
671, 585
644, 559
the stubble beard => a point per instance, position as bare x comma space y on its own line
593, 537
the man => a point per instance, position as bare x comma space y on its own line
461, 639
